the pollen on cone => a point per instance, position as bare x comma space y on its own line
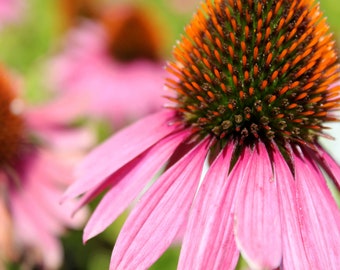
280, 61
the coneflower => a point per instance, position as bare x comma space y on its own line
72, 12
255, 86
112, 65
33, 177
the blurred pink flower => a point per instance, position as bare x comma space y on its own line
10, 11
107, 77
251, 112
33, 175
71, 12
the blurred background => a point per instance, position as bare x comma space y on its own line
39, 45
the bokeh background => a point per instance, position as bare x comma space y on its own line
26, 46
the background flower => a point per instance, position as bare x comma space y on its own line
111, 66
33, 177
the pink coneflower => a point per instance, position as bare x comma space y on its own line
254, 89
112, 66
33, 177
71, 12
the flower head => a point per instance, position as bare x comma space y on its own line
71, 12
112, 65
264, 74
255, 86
32, 178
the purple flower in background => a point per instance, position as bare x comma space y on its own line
111, 66
34, 172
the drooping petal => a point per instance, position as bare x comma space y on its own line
159, 216
48, 197
330, 166
128, 143
294, 254
257, 217
319, 216
35, 209
34, 234
124, 190
41, 185
209, 240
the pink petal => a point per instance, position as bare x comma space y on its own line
257, 217
63, 110
33, 232
294, 255
156, 220
330, 166
209, 240
319, 216
47, 196
119, 150
126, 189
35, 209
